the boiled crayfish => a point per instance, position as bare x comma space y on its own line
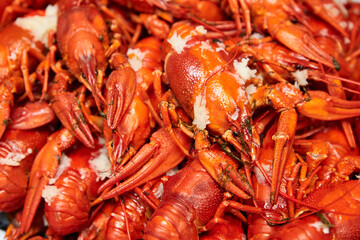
181, 119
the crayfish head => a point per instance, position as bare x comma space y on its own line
87, 57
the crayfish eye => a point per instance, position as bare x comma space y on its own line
83, 75
299, 67
96, 72
294, 21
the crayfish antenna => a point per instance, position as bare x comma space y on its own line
333, 81
44, 167
162, 154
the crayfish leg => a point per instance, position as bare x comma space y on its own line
283, 138
6, 102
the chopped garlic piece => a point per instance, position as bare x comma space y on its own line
101, 141
201, 113
324, 32
40, 26
178, 43
256, 36
243, 70
350, 27
49, 193
330, 8
205, 46
172, 171
160, 191
300, 77
259, 176
220, 47
340, 4
320, 226
343, 24
251, 89
101, 164
12, 159
235, 115
135, 58
200, 29
83, 173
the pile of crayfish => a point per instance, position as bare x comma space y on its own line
171, 119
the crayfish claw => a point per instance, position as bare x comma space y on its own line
120, 87
31, 115
299, 40
324, 107
221, 167
34, 197
334, 17
44, 167
161, 155
69, 113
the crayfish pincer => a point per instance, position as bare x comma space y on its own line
151, 161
